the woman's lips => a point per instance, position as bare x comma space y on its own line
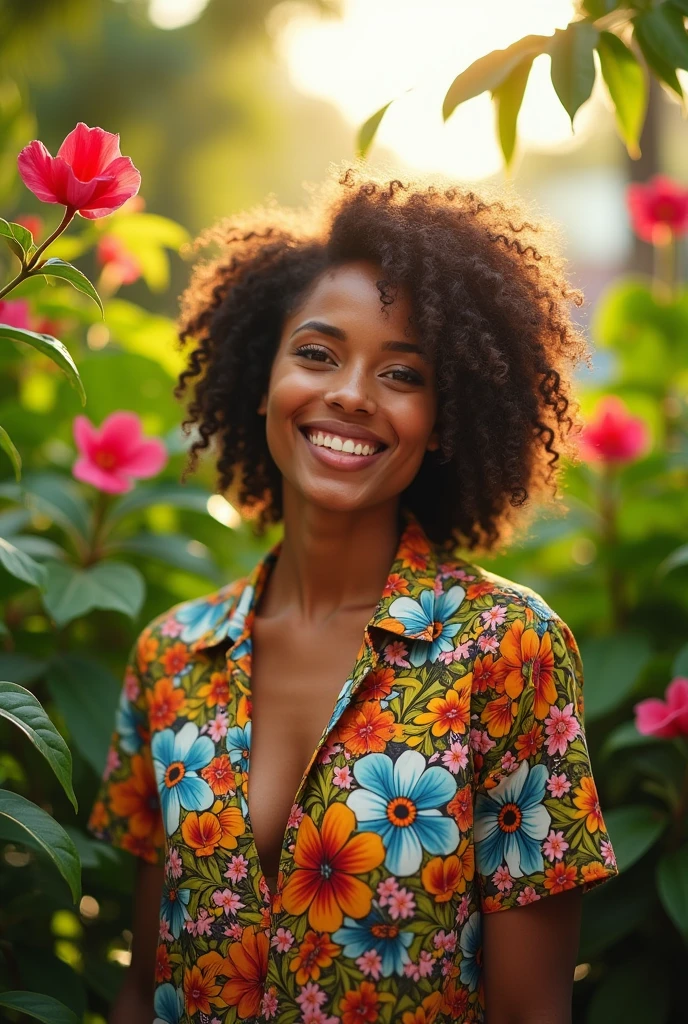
340, 459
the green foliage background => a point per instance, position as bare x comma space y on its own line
615, 566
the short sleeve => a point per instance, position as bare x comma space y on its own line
539, 827
126, 812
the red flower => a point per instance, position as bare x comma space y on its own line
122, 265
658, 209
31, 222
112, 456
15, 313
89, 174
614, 436
665, 718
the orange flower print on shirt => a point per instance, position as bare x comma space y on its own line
246, 966
426, 1012
361, 1005
205, 832
164, 704
146, 650
216, 691
176, 659
483, 675
498, 715
588, 803
200, 989
451, 711
220, 775
366, 729
443, 877
324, 881
525, 654
315, 952
560, 877
137, 801
594, 870
378, 684
461, 808
455, 1000
528, 743
396, 585
163, 968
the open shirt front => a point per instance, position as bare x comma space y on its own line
453, 779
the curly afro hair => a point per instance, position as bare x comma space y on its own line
490, 307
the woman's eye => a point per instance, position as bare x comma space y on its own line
314, 353
406, 375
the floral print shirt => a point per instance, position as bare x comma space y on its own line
452, 780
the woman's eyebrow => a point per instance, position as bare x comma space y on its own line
340, 335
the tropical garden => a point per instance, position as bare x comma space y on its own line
98, 534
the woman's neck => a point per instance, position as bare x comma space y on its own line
331, 562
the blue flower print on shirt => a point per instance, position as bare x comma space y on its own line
400, 801
202, 617
168, 1004
429, 616
511, 821
238, 744
470, 942
374, 932
129, 725
173, 907
177, 759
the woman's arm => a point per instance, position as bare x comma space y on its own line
529, 956
134, 1004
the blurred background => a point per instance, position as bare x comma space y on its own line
221, 104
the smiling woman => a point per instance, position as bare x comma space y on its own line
355, 758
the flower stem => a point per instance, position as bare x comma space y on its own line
28, 269
93, 552
615, 579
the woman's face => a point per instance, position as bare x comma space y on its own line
351, 403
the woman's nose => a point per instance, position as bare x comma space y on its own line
350, 393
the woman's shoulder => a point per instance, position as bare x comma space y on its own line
482, 586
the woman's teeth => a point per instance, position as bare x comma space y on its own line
343, 444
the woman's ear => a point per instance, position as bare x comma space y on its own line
433, 442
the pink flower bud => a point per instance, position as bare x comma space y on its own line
112, 456
664, 718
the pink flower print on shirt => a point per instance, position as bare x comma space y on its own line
237, 869
456, 757
328, 751
445, 941
607, 853
480, 741
386, 889
561, 726
164, 932
422, 969
527, 896
493, 617
270, 1003
488, 642
171, 628
558, 785
202, 925
370, 964
282, 940
173, 865
342, 777
131, 686
112, 763
509, 762
463, 910
233, 931
310, 998
216, 727
555, 845
401, 904
502, 879
228, 900
295, 816
396, 653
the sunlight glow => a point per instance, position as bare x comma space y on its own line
220, 509
175, 13
381, 48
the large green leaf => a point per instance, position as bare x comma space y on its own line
71, 591
17, 237
21, 565
66, 272
174, 549
25, 711
656, 62
634, 991
367, 132
11, 451
611, 666
58, 497
48, 834
682, 6
672, 883
193, 498
598, 8
573, 66
633, 831
86, 696
508, 98
680, 666
22, 668
675, 560
50, 347
611, 911
627, 85
664, 31
40, 1007
624, 736
490, 71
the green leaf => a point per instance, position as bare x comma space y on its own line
624, 736
71, 591
57, 497
17, 237
51, 347
86, 695
176, 495
490, 71
40, 1007
598, 8
675, 560
25, 711
508, 98
367, 132
174, 549
665, 33
11, 452
627, 86
66, 272
672, 884
635, 991
48, 834
656, 62
680, 666
22, 668
633, 831
573, 66
21, 565
611, 911
682, 5
611, 666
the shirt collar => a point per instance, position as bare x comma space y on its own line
415, 574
